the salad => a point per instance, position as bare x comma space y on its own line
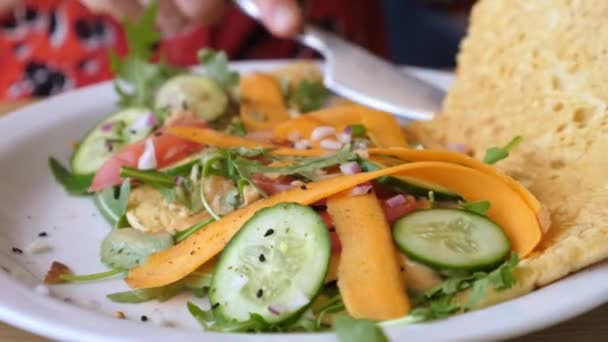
287, 208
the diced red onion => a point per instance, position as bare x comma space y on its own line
350, 168
322, 132
348, 130
302, 144
361, 189
330, 144
396, 201
151, 120
147, 160
274, 310
456, 147
344, 138
107, 126
144, 122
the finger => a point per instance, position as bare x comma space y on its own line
283, 18
118, 9
170, 19
206, 12
7, 5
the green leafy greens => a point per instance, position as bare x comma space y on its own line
495, 154
437, 303
478, 207
72, 183
308, 96
216, 64
140, 75
358, 330
113, 201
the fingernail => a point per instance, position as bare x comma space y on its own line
283, 20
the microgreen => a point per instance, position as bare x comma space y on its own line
495, 154
478, 207
216, 64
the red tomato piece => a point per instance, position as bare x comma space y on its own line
395, 212
168, 149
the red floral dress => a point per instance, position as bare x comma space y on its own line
49, 46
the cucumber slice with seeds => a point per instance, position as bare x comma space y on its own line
451, 239
199, 93
275, 266
109, 136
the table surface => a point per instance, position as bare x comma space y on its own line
592, 326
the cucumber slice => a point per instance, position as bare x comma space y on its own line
413, 186
100, 143
451, 239
199, 93
183, 167
275, 266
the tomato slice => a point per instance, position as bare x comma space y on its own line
168, 150
394, 212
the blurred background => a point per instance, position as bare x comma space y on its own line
50, 46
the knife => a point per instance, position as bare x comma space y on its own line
352, 72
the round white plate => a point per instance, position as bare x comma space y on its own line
32, 202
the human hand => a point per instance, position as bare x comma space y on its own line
282, 18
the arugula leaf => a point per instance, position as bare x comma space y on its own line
358, 131
72, 183
216, 64
208, 321
306, 165
184, 234
495, 154
162, 294
142, 77
308, 96
135, 296
358, 330
204, 317
236, 128
478, 207
113, 203
150, 177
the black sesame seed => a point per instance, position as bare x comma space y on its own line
260, 293
215, 306
144, 318
303, 187
262, 258
332, 230
17, 250
269, 232
132, 131
43, 234
402, 268
184, 105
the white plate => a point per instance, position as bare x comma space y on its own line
32, 202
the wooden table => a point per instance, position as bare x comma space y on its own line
589, 327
